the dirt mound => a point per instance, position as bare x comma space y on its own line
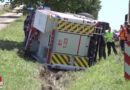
55, 79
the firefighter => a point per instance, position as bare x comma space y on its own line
102, 41
26, 23
102, 44
26, 31
110, 41
127, 32
122, 37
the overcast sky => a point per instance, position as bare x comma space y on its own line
113, 11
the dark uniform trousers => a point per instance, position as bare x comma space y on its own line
122, 44
109, 45
102, 52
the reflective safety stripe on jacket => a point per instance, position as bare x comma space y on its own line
109, 36
122, 35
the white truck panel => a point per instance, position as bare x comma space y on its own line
84, 46
65, 43
44, 40
40, 21
72, 44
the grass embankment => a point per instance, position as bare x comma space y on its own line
18, 73
5, 10
105, 75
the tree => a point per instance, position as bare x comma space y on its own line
73, 6
1, 0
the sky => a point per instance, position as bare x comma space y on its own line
113, 11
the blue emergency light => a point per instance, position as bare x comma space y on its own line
31, 9
47, 8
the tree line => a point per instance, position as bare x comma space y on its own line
73, 6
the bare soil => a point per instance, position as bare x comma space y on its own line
54, 79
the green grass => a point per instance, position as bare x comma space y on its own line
6, 10
18, 73
105, 75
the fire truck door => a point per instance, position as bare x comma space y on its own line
84, 46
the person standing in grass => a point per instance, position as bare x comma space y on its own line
110, 41
124, 35
26, 31
122, 38
102, 45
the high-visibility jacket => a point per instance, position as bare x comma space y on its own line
122, 34
127, 35
109, 36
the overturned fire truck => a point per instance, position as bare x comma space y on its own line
64, 40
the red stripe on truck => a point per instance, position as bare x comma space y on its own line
79, 45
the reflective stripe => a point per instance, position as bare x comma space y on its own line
81, 61
122, 38
122, 35
52, 62
68, 26
62, 59
91, 30
75, 27
76, 58
57, 61
85, 61
75, 64
65, 59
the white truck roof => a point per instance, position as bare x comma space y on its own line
44, 18
71, 17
